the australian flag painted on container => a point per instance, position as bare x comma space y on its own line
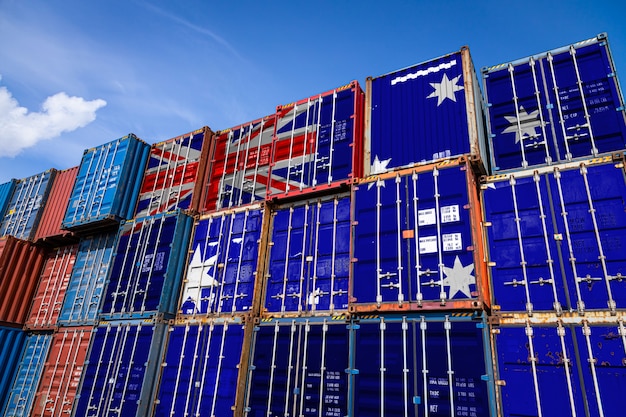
315, 140
174, 172
240, 165
426, 112
554, 107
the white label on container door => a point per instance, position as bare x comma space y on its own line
450, 214
428, 244
452, 242
426, 217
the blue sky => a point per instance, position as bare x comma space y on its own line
76, 74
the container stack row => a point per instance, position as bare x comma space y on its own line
420, 248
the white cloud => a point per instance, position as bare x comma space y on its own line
60, 113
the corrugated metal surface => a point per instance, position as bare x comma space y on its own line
309, 257
21, 263
558, 237
417, 240
560, 368
22, 393
107, 184
6, 192
175, 174
225, 256
121, 369
61, 372
298, 368
422, 365
318, 143
48, 299
201, 370
239, 168
424, 113
147, 267
556, 106
12, 341
84, 291
24, 210
49, 229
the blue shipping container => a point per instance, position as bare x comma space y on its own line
107, 185
422, 365
12, 341
84, 290
147, 267
22, 393
424, 113
416, 239
553, 107
26, 205
121, 369
561, 369
298, 367
6, 192
309, 257
200, 371
224, 259
557, 240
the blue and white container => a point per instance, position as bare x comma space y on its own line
148, 267
24, 388
26, 204
424, 113
554, 107
107, 185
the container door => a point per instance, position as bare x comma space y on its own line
589, 205
222, 270
310, 257
23, 212
298, 368
313, 142
200, 370
420, 239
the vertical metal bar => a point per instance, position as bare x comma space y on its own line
322, 369
222, 191
236, 294
45, 307
307, 329
145, 290
20, 207
139, 255
520, 244
123, 267
304, 147
256, 163
405, 367
533, 364
108, 171
219, 369
315, 293
399, 240
568, 154
332, 139
169, 187
549, 261
67, 257
11, 222
448, 326
289, 370
65, 373
592, 211
185, 163
285, 278
110, 370
293, 128
379, 272
202, 267
331, 305
112, 377
251, 368
567, 363
226, 258
235, 169
622, 332
81, 195
382, 327
245, 164
517, 117
205, 366
100, 363
419, 297
29, 205
131, 362
272, 369
302, 261
214, 297
540, 108
57, 362
583, 99
180, 367
442, 293
157, 170
21, 397
317, 135
592, 364
580, 304
423, 328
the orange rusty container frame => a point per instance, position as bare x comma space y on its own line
21, 263
473, 167
49, 231
357, 149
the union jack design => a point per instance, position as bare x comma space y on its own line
173, 170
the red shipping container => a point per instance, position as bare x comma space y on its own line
20, 267
239, 169
49, 230
62, 372
50, 293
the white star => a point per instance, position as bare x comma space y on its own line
378, 167
445, 89
528, 124
198, 276
459, 278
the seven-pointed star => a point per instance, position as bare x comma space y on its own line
459, 278
198, 276
445, 89
378, 167
527, 124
